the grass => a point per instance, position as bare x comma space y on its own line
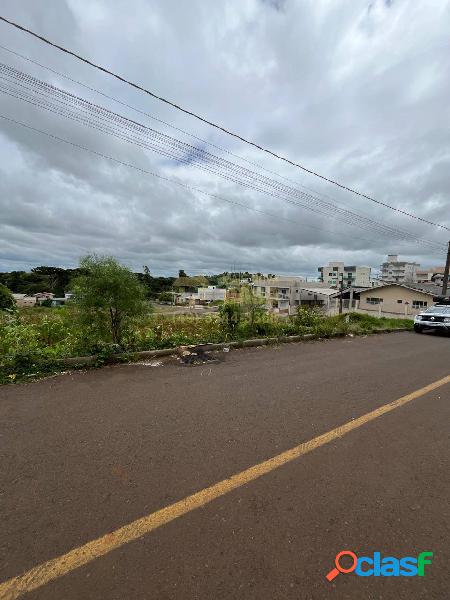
34, 339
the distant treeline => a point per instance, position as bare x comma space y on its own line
39, 279
58, 280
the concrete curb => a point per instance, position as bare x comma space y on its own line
79, 361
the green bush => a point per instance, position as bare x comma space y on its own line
32, 339
309, 317
165, 297
7, 301
230, 313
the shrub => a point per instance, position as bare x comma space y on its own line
308, 317
165, 297
230, 313
7, 301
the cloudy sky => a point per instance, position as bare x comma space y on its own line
355, 90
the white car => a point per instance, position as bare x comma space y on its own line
437, 317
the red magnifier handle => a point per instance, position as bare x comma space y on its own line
332, 574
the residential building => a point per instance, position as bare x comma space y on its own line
203, 295
396, 271
24, 301
431, 274
278, 292
285, 294
351, 276
395, 298
438, 279
186, 288
189, 284
432, 287
43, 296
312, 294
211, 294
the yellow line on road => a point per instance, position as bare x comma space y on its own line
57, 567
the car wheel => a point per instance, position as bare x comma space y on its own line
418, 328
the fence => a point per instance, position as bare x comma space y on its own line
376, 311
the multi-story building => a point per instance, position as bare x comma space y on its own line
397, 271
285, 294
278, 292
430, 274
351, 276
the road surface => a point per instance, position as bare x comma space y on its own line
96, 467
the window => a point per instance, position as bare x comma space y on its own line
419, 303
330, 274
374, 300
399, 301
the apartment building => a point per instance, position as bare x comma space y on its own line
278, 292
285, 294
352, 276
397, 271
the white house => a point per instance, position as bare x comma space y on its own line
203, 295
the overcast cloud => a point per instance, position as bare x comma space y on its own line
358, 91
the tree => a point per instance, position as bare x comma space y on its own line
146, 279
252, 304
230, 313
7, 301
53, 279
181, 273
109, 295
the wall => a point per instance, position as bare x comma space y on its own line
362, 277
27, 301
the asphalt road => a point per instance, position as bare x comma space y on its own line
86, 453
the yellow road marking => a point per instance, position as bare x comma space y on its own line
57, 567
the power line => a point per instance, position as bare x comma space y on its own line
170, 125
176, 150
167, 124
168, 179
215, 125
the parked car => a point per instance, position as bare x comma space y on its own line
436, 317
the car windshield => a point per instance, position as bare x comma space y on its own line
439, 309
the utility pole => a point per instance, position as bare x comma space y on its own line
341, 289
446, 272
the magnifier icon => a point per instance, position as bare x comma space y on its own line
339, 568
